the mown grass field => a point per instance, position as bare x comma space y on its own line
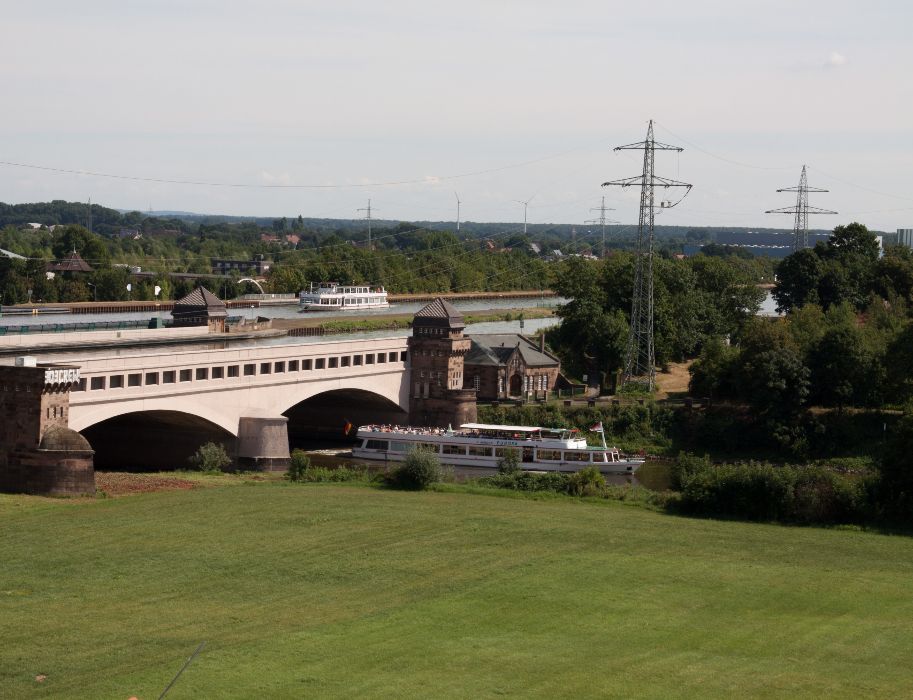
350, 591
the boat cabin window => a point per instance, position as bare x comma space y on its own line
581, 456
477, 451
454, 449
400, 446
549, 455
427, 446
377, 444
504, 451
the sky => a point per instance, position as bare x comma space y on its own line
283, 107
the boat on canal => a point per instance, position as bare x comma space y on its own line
483, 445
331, 296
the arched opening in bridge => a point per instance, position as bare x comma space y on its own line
152, 440
322, 418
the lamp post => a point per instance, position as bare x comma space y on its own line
94, 291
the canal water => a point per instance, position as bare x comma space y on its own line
288, 311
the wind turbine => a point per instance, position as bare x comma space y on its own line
458, 209
525, 207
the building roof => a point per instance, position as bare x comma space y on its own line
11, 254
439, 313
72, 263
201, 298
497, 349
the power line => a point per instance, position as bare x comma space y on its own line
368, 219
205, 183
640, 358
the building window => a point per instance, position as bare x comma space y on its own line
184, 375
356, 360
81, 386
477, 382
233, 370
403, 356
116, 382
334, 362
152, 378
381, 357
202, 373
369, 358
218, 372
265, 367
279, 367
293, 366
168, 377
134, 379
97, 383
392, 356
345, 361
320, 363
306, 365
250, 370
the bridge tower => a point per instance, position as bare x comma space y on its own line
39, 453
437, 349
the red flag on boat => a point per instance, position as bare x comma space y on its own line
347, 427
597, 428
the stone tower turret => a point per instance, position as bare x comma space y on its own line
436, 352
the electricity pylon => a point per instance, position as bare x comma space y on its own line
640, 358
801, 210
602, 221
368, 219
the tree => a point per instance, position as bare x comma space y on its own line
798, 276
853, 239
772, 376
838, 363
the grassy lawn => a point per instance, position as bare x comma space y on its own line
349, 591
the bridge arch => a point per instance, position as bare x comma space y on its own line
323, 416
152, 440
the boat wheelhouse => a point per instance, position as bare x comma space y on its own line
483, 445
330, 296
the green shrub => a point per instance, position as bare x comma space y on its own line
209, 457
510, 462
419, 470
586, 482
298, 465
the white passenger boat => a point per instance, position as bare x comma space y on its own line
481, 445
330, 296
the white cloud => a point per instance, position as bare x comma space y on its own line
836, 59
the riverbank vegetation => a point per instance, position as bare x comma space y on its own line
340, 591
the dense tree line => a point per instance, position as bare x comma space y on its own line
696, 300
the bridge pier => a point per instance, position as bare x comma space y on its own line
263, 443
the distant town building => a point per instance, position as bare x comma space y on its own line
131, 233
222, 266
11, 254
509, 365
905, 237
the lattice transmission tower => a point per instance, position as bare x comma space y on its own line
640, 358
602, 221
801, 211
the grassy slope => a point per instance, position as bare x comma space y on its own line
341, 591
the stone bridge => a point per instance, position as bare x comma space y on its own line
150, 407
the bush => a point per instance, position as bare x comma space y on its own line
764, 492
586, 482
298, 466
418, 471
510, 462
209, 457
